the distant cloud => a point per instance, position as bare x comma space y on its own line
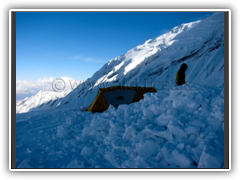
29, 88
87, 59
33, 87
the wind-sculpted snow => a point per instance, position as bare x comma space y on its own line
174, 129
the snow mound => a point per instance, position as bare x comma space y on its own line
176, 136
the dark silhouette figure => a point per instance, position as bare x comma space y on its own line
180, 76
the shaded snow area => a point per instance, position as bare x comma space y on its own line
168, 129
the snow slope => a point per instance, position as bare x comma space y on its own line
155, 63
174, 128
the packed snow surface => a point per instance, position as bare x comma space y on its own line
176, 127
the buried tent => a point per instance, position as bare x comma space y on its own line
117, 95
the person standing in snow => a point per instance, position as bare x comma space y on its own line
180, 76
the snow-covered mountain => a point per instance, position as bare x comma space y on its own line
199, 44
174, 128
46, 99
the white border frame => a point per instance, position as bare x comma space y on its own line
119, 10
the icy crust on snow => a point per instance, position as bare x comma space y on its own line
168, 129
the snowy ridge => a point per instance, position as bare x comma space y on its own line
177, 127
199, 44
42, 100
46, 99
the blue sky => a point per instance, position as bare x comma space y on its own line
77, 44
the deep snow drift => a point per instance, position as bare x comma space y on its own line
173, 128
